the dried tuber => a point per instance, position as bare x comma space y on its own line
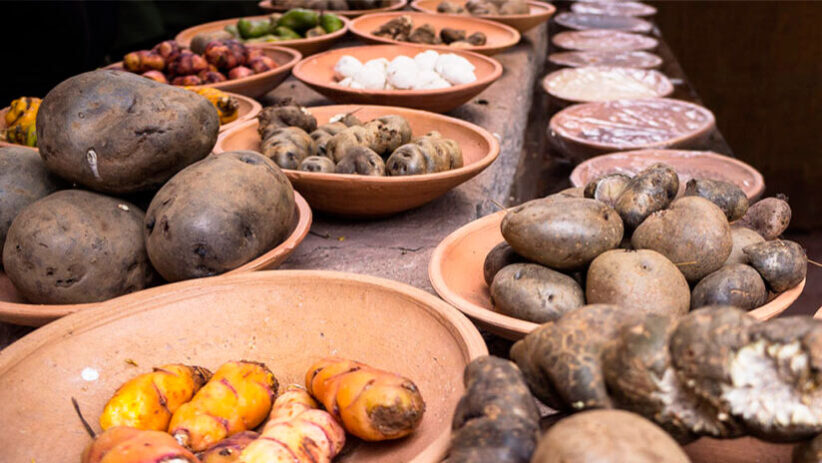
187, 63
425, 155
122, 444
361, 160
288, 147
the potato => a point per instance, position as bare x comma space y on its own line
75, 246
642, 280
729, 197
388, 133
285, 114
560, 232
607, 188
535, 293
498, 257
317, 164
23, 180
361, 160
782, 263
693, 233
324, 134
738, 285
288, 147
217, 215
353, 136
607, 436
769, 217
118, 132
741, 237
649, 191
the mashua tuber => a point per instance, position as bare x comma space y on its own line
229, 449
372, 404
227, 107
425, 155
122, 444
20, 121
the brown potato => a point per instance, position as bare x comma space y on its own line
782, 263
388, 133
649, 191
535, 293
741, 237
285, 114
288, 147
738, 285
127, 133
353, 136
560, 232
317, 164
769, 217
361, 160
75, 246
500, 256
693, 233
324, 134
217, 215
642, 280
607, 188
729, 197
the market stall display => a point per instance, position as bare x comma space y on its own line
523, 21
350, 9
605, 83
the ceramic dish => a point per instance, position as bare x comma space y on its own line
584, 22
318, 73
306, 46
589, 129
259, 84
249, 108
624, 59
366, 196
14, 309
456, 273
499, 36
397, 5
603, 40
539, 12
614, 8
3, 127
688, 165
605, 83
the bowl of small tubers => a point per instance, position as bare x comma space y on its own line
366, 161
347, 8
521, 15
290, 345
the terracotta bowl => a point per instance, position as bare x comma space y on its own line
365, 196
586, 130
539, 13
688, 165
625, 59
3, 127
397, 5
249, 108
614, 8
307, 46
603, 40
259, 84
15, 309
499, 36
456, 273
584, 22
569, 85
318, 73
286, 319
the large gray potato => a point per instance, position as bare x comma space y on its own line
738, 285
782, 263
535, 293
729, 197
118, 132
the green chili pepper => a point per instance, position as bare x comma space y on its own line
232, 29
264, 38
284, 33
331, 22
299, 20
251, 29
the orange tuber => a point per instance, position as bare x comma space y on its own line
142, 61
228, 450
122, 444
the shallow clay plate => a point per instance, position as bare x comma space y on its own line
285, 319
318, 73
397, 5
499, 36
3, 127
605, 83
539, 12
15, 309
259, 84
366, 196
625, 59
583, 22
688, 165
603, 40
456, 273
614, 8
249, 108
306, 46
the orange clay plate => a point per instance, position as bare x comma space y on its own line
539, 12
396, 5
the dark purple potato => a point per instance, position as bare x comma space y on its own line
769, 217
738, 285
649, 191
500, 256
361, 161
729, 197
535, 293
782, 263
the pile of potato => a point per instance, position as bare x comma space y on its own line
68, 234
485, 7
345, 145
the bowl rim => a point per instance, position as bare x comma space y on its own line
542, 8
40, 314
667, 85
311, 80
650, 42
514, 39
489, 317
643, 26
650, 10
709, 125
476, 166
397, 5
656, 60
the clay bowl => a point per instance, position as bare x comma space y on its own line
575, 85
614, 8
3, 127
307, 46
318, 73
15, 309
539, 13
741, 450
582, 22
456, 273
499, 36
286, 319
397, 5
259, 84
249, 108
688, 165
603, 40
586, 130
364, 196
624, 59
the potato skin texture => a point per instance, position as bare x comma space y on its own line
769, 217
317, 164
500, 256
693, 233
122, 444
607, 188
782, 263
23, 180
117, 132
560, 232
642, 280
228, 450
388, 133
361, 160
649, 191
741, 237
217, 215
535, 293
738, 285
729, 197
75, 246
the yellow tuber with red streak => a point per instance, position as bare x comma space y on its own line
122, 444
237, 398
148, 400
296, 432
372, 404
